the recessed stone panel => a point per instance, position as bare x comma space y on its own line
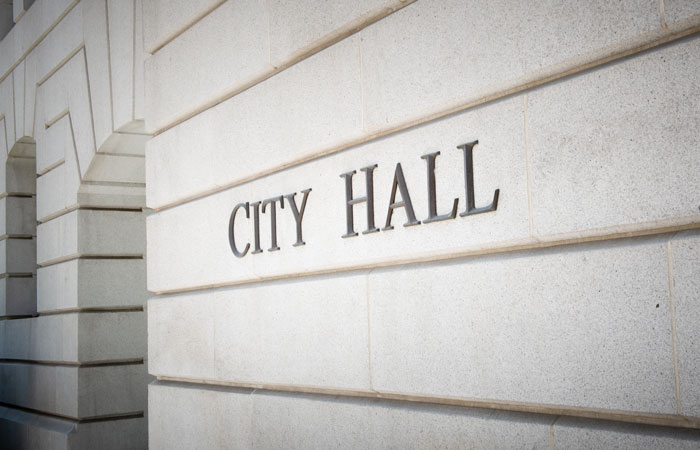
311, 106
435, 54
276, 420
176, 85
310, 332
617, 145
203, 255
586, 434
586, 326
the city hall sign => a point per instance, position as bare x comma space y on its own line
398, 187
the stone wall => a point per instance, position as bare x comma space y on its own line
532, 285
566, 318
73, 327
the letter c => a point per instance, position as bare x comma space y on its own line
231, 238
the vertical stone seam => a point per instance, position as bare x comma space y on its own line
552, 441
674, 339
527, 165
109, 66
133, 65
4, 125
92, 115
24, 100
213, 342
362, 83
36, 96
662, 15
369, 332
269, 33
14, 106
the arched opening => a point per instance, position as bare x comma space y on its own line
18, 233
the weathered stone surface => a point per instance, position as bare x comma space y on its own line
617, 145
597, 334
675, 10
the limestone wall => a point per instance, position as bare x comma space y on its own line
73, 335
565, 318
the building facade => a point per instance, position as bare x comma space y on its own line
376, 224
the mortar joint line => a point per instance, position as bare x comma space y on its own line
109, 69
362, 83
662, 15
552, 439
14, 103
369, 331
134, 58
672, 310
412, 123
269, 32
526, 118
38, 40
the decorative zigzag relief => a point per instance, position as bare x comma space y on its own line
74, 100
104, 96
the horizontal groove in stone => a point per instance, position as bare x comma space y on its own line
60, 115
304, 54
93, 310
51, 72
677, 421
116, 183
655, 39
123, 155
507, 247
51, 167
16, 275
177, 33
17, 194
89, 419
78, 364
17, 236
87, 256
26, 316
72, 208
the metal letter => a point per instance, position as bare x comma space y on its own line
298, 216
469, 183
273, 219
231, 238
405, 200
350, 201
432, 202
256, 227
